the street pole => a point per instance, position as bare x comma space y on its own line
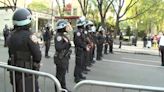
52, 17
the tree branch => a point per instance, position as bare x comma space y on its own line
139, 13
114, 9
108, 8
4, 3
87, 6
59, 8
81, 6
15, 5
128, 7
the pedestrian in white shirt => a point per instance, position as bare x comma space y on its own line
161, 47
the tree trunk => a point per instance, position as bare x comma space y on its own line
117, 28
103, 22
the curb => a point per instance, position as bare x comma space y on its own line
135, 52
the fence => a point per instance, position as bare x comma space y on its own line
99, 86
34, 73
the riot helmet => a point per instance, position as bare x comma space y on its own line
80, 22
22, 17
61, 25
88, 25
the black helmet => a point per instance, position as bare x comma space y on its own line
22, 17
61, 24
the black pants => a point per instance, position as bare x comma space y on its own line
111, 47
162, 55
120, 44
28, 84
5, 39
79, 60
105, 48
99, 52
144, 43
47, 45
60, 75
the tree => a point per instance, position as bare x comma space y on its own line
122, 7
39, 6
84, 6
103, 7
61, 11
10, 4
151, 18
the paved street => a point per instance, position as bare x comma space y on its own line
118, 67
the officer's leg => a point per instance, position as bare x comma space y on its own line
101, 49
48, 47
111, 48
93, 55
5, 41
58, 73
105, 48
77, 70
46, 50
63, 73
162, 55
120, 44
98, 53
85, 61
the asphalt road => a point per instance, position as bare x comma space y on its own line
118, 67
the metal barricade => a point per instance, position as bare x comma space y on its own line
100, 86
14, 69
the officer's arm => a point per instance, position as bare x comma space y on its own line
35, 49
60, 44
79, 41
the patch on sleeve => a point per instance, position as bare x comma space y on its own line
34, 38
85, 32
59, 38
78, 33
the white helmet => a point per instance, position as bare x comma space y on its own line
80, 21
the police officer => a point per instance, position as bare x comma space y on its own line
24, 50
80, 48
47, 40
89, 24
110, 43
93, 35
120, 39
6, 33
63, 52
106, 43
100, 41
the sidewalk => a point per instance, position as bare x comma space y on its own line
136, 49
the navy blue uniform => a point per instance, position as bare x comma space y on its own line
6, 33
47, 41
80, 48
106, 43
22, 46
62, 60
100, 41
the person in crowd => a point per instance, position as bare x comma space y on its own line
6, 33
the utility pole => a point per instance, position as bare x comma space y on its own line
52, 14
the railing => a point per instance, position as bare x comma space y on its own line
99, 86
53, 79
